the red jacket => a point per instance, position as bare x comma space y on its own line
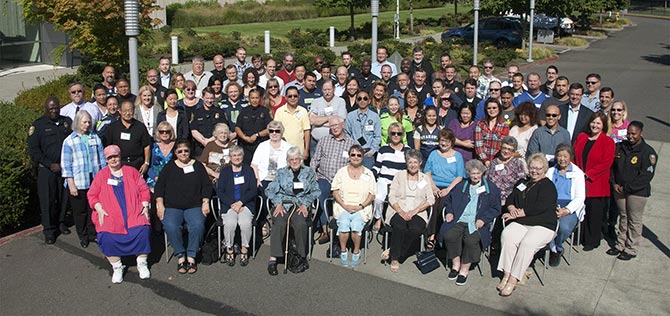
597, 168
136, 191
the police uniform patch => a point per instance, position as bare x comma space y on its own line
216, 116
652, 159
456, 89
31, 130
633, 160
65, 125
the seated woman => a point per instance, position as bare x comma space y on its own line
353, 189
120, 201
469, 211
390, 160
506, 169
571, 189
530, 214
295, 183
182, 195
237, 192
410, 196
216, 154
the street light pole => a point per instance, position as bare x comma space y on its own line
132, 14
530, 39
476, 35
374, 11
396, 19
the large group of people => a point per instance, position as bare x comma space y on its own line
414, 149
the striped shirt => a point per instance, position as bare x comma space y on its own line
389, 162
82, 160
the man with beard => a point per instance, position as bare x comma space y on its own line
399, 88
549, 86
241, 63
560, 97
366, 77
309, 92
45, 140
158, 90
287, 74
420, 63
109, 80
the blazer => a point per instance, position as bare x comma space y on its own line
577, 189
183, 130
225, 189
582, 125
597, 166
156, 109
398, 194
488, 207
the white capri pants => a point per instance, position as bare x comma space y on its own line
230, 221
519, 245
380, 197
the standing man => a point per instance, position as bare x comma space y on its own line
219, 66
366, 77
347, 61
318, 64
231, 75
485, 80
45, 140
321, 111
591, 98
633, 170
559, 98
270, 67
575, 116
132, 137
299, 82
204, 119
256, 63
287, 74
494, 93
198, 75
123, 91
471, 92
533, 94
545, 138
164, 69
420, 63
156, 87
517, 84
341, 80
382, 55
241, 63
419, 85
76, 92
606, 100
548, 86
450, 81
109, 80
364, 126
295, 120
309, 92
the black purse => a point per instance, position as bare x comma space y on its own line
426, 261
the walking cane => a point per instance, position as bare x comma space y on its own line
288, 230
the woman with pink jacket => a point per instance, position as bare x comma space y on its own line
120, 201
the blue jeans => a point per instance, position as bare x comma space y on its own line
324, 186
195, 224
566, 225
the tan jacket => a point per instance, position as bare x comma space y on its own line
398, 194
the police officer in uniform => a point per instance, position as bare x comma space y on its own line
633, 170
45, 140
204, 119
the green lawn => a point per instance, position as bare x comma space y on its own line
280, 29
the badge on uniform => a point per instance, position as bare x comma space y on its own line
633, 160
216, 116
652, 159
31, 130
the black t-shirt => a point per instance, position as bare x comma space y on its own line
183, 188
131, 140
538, 200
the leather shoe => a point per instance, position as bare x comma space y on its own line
554, 259
63, 229
272, 268
613, 252
84, 243
49, 240
625, 256
323, 239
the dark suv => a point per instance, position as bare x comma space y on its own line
502, 31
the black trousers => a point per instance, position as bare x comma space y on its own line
460, 243
405, 234
81, 213
436, 220
51, 195
593, 220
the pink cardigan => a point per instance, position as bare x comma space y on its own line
136, 191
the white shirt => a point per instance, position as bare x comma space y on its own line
70, 110
377, 68
263, 82
572, 119
200, 83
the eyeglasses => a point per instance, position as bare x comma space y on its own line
291, 96
362, 99
617, 110
274, 131
396, 133
76, 91
164, 132
189, 89
488, 67
183, 151
591, 82
318, 63
552, 115
356, 155
494, 89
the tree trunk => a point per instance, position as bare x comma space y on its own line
455, 8
411, 17
352, 30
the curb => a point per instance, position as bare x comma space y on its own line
649, 16
25, 232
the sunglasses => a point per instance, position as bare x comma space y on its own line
591, 82
274, 131
494, 89
189, 89
396, 133
292, 96
76, 91
617, 110
164, 132
362, 99
273, 86
183, 151
488, 67
356, 155
552, 115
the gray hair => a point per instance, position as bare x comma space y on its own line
275, 123
474, 164
541, 158
81, 114
567, 148
197, 58
220, 128
413, 154
509, 140
236, 149
294, 152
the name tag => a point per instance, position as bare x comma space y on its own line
125, 136
226, 152
329, 110
622, 132
421, 184
451, 159
570, 175
538, 105
345, 154
521, 187
365, 177
499, 167
92, 142
113, 182
298, 115
309, 100
480, 190
298, 185
188, 169
369, 128
238, 180
549, 157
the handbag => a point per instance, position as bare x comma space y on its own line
426, 261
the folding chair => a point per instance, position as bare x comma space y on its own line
167, 244
311, 213
219, 222
545, 258
486, 252
366, 235
387, 229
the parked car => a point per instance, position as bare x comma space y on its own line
561, 26
502, 31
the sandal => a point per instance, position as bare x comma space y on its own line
192, 267
182, 267
507, 291
386, 254
244, 259
430, 244
502, 284
230, 258
395, 266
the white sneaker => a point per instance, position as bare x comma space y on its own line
143, 269
117, 276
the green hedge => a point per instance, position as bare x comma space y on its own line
17, 185
34, 98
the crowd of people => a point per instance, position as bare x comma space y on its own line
413, 148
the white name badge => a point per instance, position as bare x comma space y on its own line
365, 177
238, 180
369, 128
480, 190
188, 169
521, 187
92, 142
329, 110
298, 115
451, 159
622, 132
113, 182
499, 167
298, 185
125, 136
345, 154
538, 105
549, 157
421, 184
226, 152
570, 174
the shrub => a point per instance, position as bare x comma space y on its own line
571, 41
299, 38
500, 57
17, 185
305, 55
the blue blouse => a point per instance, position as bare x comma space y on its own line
445, 170
158, 161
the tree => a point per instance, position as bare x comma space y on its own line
351, 4
95, 28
